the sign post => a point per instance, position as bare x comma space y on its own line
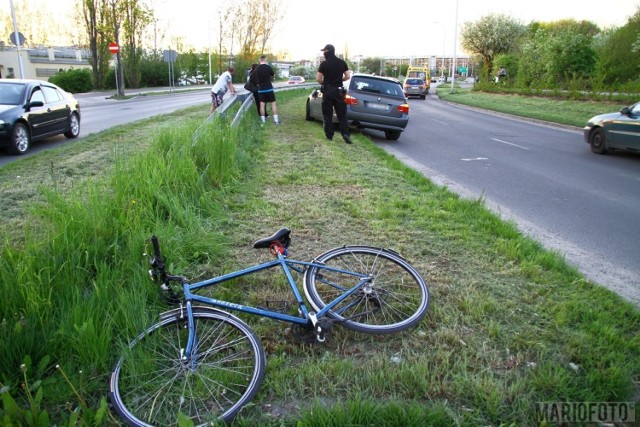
114, 49
17, 39
170, 58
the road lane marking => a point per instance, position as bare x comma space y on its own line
473, 160
442, 123
510, 143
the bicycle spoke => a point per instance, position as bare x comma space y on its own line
223, 372
395, 298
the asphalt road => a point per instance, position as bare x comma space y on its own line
100, 112
544, 178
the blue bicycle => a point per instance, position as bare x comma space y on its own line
203, 363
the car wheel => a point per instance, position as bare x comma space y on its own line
597, 141
308, 113
423, 97
74, 126
392, 135
20, 139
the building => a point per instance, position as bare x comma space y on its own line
40, 63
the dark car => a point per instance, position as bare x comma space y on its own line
614, 131
373, 102
31, 110
415, 87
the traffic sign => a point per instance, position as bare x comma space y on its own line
114, 48
12, 38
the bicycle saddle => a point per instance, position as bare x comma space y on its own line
281, 236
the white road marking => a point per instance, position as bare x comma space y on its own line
442, 123
473, 160
510, 143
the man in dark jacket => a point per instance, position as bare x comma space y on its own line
331, 73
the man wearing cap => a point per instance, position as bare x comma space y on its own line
331, 73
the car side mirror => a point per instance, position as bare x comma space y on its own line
314, 94
625, 110
35, 104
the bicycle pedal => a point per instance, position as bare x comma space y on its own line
303, 334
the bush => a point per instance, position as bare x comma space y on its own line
73, 81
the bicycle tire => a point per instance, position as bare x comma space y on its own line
395, 300
151, 384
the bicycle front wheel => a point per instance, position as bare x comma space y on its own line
396, 297
153, 385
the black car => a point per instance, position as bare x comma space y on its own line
373, 102
31, 110
614, 131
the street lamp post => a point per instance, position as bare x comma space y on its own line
209, 46
455, 42
17, 37
444, 35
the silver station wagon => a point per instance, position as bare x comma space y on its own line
373, 102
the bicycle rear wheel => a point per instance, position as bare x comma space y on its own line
397, 297
151, 384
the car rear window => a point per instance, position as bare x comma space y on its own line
374, 85
414, 81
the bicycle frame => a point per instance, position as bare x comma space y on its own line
286, 265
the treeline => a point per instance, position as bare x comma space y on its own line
565, 54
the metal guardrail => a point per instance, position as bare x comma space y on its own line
246, 98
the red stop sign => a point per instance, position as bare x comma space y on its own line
113, 48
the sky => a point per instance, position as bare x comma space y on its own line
418, 28
368, 28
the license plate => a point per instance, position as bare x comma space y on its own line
377, 106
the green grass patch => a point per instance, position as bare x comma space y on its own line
509, 325
563, 111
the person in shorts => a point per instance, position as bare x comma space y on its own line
223, 84
266, 94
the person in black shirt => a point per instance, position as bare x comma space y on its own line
331, 73
253, 78
265, 74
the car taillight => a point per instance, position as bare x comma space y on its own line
350, 100
404, 108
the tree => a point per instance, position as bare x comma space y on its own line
35, 24
373, 64
113, 12
95, 17
136, 17
490, 36
557, 53
618, 59
257, 20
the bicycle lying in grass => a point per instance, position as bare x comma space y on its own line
205, 364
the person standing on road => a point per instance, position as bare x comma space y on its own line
224, 83
266, 94
331, 73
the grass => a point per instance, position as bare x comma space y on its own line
562, 111
510, 324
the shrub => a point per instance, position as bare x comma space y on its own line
73, 80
